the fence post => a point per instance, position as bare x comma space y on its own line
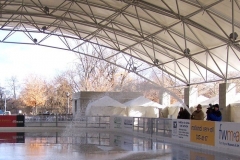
56, 120
164, 127
151, 126
157, 126
99, 118
138, 124
40, 120
143, 125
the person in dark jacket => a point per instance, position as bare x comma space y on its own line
215, 115
183, 114
180, 113
186, 114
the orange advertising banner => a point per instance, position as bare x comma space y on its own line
202, 132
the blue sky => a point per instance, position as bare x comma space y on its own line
22, 60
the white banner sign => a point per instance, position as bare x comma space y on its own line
122, 123
116, 122
128, 123
181, 129
227, 135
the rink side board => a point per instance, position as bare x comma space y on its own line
225, 135
121, 123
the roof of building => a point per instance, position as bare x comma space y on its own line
192, 41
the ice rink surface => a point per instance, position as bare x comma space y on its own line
95, 146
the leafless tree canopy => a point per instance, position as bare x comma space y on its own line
97, 74
93, 74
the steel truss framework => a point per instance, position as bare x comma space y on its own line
192, 41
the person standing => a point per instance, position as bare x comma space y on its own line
215, 115
183, 114
180, 113
186, 113
198, 114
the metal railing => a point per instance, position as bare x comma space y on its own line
153, 126
66, 120
48, 118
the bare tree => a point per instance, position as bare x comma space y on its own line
12, 82
1, 98
94, 73
57, 94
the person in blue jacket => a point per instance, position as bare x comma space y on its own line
215, 114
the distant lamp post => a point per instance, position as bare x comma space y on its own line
5, 103
68, 94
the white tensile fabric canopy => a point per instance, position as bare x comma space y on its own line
105, 106
143, 107
185, 39
234, 109
237, 98
213, 100
177, 104
200, 99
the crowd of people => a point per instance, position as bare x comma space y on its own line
213, 113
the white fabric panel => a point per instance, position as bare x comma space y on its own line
234, 112
168, 27
106, 106
143, 107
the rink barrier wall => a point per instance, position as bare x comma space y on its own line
12, 120
225, 135
213, 136
208, 135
